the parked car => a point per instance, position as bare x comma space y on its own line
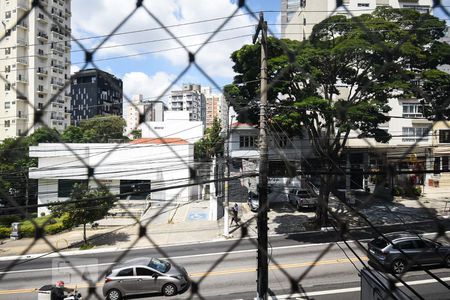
301, 198
417, 250
253, 201
143, 276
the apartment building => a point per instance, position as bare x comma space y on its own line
189, 98
140, 111
298, 17
95, 93
36, 65
213, 106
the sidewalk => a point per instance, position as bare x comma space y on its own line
188, 223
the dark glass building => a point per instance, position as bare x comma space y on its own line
95, 92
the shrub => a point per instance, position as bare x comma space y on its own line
5, 232
398, 191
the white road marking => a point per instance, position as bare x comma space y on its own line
348, 290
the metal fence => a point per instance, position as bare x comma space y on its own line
341, 221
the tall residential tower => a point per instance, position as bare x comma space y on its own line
35, 61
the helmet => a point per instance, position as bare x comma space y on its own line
59, 283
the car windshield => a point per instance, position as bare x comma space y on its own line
159, 265
303, 194
379, 243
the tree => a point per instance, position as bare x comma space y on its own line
211, 144
84, 206
136, 133
15, 161
375, 57
99, 129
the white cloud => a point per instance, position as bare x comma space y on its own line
74, 69
150, 87
94, 18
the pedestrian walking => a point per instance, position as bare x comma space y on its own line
235, 213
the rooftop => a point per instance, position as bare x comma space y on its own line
160, 141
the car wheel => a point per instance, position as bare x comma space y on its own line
114, 295
447, 261
169, 289
398, 266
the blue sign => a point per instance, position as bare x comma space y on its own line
196, 215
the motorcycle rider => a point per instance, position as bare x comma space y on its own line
57, 292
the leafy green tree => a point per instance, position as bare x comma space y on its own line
378, 56
211, 144
85, 206
137, 133
99, 129
15, 161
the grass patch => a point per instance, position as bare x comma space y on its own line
86, 246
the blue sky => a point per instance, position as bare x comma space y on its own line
151, 73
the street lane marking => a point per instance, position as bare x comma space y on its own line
215, 273
350, 290
277, 267
172, 258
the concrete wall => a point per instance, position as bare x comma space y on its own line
164, 165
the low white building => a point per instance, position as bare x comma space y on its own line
176, 124
139, 166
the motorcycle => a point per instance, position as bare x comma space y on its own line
44, 293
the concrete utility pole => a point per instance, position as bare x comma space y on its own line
226, 227
262, 272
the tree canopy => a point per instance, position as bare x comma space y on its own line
211, 144
99, 129
84, 206
340, 80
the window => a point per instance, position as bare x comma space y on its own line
282, 142
65, 186
144, 272
248, 141
7, 123
7, 14
412, 110
7, 86
125, 272
7, 51
40, 105
444, 136
406, 245
414, 134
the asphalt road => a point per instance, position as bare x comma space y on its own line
224, 270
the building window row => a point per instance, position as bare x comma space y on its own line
248, 141
415, 134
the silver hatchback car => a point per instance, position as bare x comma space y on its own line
144, 276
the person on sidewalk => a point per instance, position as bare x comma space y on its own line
235, 213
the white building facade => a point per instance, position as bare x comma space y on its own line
191, 99
150, 164
298, 17
36, 64
152, 111
176, 124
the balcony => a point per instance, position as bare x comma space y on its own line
23, 5
41, 90
42, 36
21, 79
23, 25
21, 42
41, 18
41, 54
22, 61
41, 71
21, 98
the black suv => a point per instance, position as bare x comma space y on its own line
416, 251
